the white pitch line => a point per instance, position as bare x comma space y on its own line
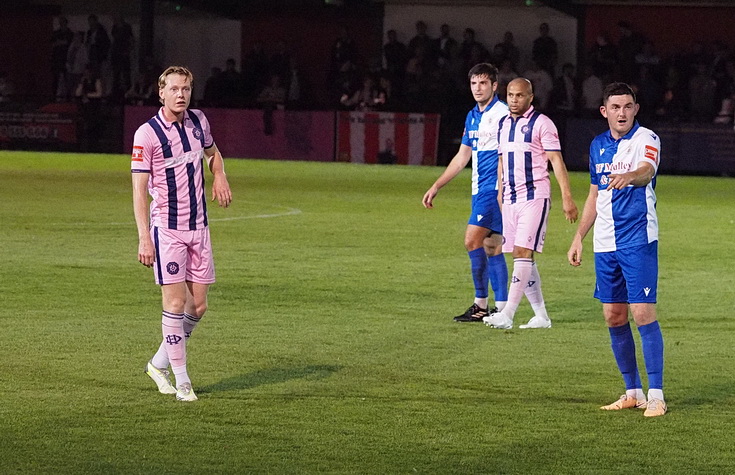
288, 212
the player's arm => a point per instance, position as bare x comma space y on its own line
220, 187
562, 177
641, 176
460, 160
589, 213
146, 254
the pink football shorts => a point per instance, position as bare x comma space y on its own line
524, 224
182, 256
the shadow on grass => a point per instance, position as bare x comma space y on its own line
270, 376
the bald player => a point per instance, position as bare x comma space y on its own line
527, 141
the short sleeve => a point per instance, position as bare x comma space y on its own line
206, 129
549, 135
593, 174
140, 161
465, 135
649, 151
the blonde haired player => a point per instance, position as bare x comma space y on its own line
173, 232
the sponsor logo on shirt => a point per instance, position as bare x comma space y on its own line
612, 167
602, 150
137, 153
651, 153
185, 158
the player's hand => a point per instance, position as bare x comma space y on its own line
428, 200
146, 255
575, 253
570, 210
618, 182
221, 192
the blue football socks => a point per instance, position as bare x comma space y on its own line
478, 263
623, 347
498, 270
652, 342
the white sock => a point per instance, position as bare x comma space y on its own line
482, 303
655, 394
500, 305
518, 283
636, 393
181, 375
534, 295
160, 359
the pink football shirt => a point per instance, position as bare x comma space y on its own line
523, 143
172, 153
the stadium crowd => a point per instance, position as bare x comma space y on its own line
428, 74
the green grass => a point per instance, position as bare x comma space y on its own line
329, 345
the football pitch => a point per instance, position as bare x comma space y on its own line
329, 345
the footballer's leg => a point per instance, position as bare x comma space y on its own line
196, 305
474, 237
174, 302
497, 269
623, 348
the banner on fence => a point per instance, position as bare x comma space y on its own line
387, 137
50, 125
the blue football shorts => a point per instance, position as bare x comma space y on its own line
627, 275
486, 212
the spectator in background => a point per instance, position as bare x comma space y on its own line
470, 50
650, 58
61, 39
727, 97
603, 57
343, 56
231, 82
396, 56
591, 97
76, 61
89, 93
365, 98
510, 50
120, 55
542, 83
702, 89
385, 100
143, 91
630, 44
446, 47
213, 88
506, 74
545, 51
648, 93
565, 95
273, 96
254, 72
422, 40
97, 41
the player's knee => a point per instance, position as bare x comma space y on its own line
174, 304
201, 308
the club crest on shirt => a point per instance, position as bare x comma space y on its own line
172, 268
524, 129
197, 132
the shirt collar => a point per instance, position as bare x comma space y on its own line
525, 115
626, 136
166, 124
489, 106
